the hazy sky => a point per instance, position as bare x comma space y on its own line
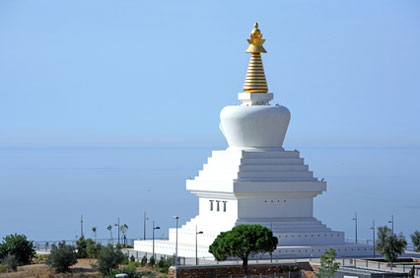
159, 72
152, 77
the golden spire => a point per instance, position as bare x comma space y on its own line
255, 77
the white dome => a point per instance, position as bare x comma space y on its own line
255, 126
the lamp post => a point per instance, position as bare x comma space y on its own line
176, 240
355, 221
374, 242
196, 245
392, 222
118, 230
144, 225
154, 228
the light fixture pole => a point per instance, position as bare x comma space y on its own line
392, 222
196, 245
176, 240
374, 242
154, 228
118, 230
144, 225
355, 220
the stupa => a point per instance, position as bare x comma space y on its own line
256, 181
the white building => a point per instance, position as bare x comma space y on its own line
256, 181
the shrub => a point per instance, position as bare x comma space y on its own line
132, 258
18, 246
143, 261
130, 271
134, 264
164, 264
92, 249
62, 257
109, 258
10, 262
81, 246
2, 268
152, 261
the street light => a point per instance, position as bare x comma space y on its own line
118, 230
392, 222
374, 242
144, 225
355, 221
176, 240
154, 228
196, 245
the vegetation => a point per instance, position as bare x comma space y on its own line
109, 228
411, 273
129, 270
143, 261
81, 247
389, 244
92, 248
94, 232
328, 264
152, 261
415, 238
62, 257
109, 258
19, 247
164, 264
242, 241
10, 262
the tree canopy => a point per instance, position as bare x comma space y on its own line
19, 247
328, 264
415, 238
389, 244
62, 257
243, 241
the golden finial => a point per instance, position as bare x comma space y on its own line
255, 81
256, 41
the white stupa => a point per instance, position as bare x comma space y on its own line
256, 181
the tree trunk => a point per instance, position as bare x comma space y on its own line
245, 266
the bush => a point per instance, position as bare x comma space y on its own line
10, 262
2, 268
164, 264
92, 249
132, 258
81, 247
130, 271
109, 258
152, 261
18, 246
62, 257
143, 261
134, 264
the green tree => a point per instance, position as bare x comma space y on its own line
109, 228
109, 258
152, 261
411, 273
328, 264
18, 246
94, 232
92, 248
242, 241
415, 238
81, 247
129, 270
143, 261
62, 257
389, 244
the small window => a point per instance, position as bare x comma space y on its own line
224, 206
218, 205
211, 205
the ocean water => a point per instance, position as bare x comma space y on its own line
43, 191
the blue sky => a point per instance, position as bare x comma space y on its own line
147, 80
159, 72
